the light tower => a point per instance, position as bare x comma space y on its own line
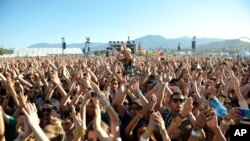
63, 45
87, 44
194, 44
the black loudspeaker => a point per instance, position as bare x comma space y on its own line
107, 53
179, 48
64, 45
193, 44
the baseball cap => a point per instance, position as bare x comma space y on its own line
54, 102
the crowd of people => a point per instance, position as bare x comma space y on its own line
122, 97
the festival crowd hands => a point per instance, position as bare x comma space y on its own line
101, 100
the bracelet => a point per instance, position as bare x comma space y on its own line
107, 106
148, 133
79, 133
137, 91
143, 139
195, 133
200, 107
198, 133
225, 122
226, 119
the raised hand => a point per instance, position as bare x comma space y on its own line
78, 121
30, 113
152, 102
204, 117
159, 121
32, 119
187, 107
234, 113
54, 78
22, 100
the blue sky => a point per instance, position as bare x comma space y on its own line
26, 22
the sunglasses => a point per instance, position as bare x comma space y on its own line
125, 103
178, 100
47, 110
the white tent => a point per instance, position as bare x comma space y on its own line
244, 53
32, 52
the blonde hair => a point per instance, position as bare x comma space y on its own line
55, 130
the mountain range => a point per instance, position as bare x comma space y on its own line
157, 41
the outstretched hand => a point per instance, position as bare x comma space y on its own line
30, 113
78, 120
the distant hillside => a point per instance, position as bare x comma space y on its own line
157, 41
225, 45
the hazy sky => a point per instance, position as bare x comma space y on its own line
25, 22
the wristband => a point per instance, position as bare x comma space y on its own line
225, 122
198, 133
79, 133
107, 106
137, 91
148, 133
143, 139
226, 119
200, 107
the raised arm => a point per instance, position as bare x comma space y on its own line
23, 81
115, 122
2, 127
213, 124
160, 95
130, 127
102, 135
241, 100
55, 79
32, 118
80, 124
11, 89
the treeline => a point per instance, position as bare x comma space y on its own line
5, 51
100, 52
